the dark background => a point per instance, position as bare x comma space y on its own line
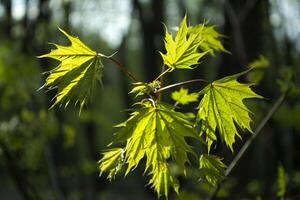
53, 154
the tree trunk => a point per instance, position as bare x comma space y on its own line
152, 32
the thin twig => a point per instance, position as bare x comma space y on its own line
123, 69
181, 83
248, 143
161, 80
162, 73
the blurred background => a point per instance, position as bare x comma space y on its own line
53, 154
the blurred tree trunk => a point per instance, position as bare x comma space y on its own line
8, 22
30, 44
235, 42
152, 33
91, 182
67, 6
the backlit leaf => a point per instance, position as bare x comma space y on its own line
79, 69
157, 133
184, 97
210, 38
182, 52
222, 107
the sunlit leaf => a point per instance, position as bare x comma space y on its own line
158, 133
79, 69
210, 38
184, 97
222, 107
182, 52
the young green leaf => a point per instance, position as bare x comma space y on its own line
158, 133
184, 97
112, 162
210, 38
182, 52
141, 88
79, 69
212, 169
222, 106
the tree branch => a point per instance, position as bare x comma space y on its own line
123, 69
181, 83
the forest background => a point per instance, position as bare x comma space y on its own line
53, 154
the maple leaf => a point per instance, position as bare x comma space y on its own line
210, 38
79, 69
158, 133
222, 106
211, 169
182, 52
184, 97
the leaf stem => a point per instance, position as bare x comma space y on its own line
182, 83
247, 144
162, 73
123, 69
161, 80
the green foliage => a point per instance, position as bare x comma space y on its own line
18, 80
222, 106
212, 169
281, 181
155, 132
182, 52
210, 38
141, 88
184, 97
79, 69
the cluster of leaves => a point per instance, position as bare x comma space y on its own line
156, 132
